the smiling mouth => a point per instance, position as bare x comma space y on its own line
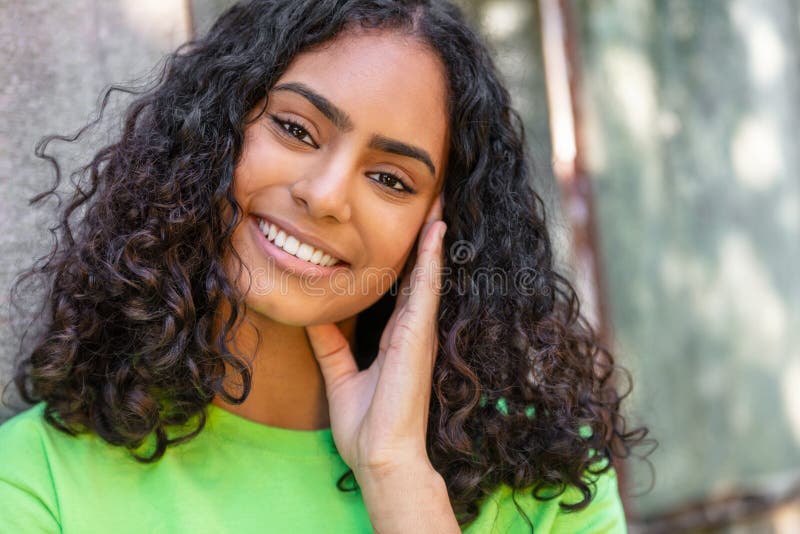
294, 246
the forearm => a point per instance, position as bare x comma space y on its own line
408, 500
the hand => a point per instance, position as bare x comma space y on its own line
379, 416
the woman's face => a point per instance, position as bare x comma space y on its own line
346, 161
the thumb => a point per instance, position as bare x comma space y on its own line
332, 351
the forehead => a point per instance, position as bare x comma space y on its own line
387, 83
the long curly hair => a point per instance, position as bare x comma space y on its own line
523, 389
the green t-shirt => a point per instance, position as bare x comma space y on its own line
235, 476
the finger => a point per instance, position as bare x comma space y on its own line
413, 333
434, 214
402, 297
426, 277
332, 351
406, 369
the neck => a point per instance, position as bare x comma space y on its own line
287, 388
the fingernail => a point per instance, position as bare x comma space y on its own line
442, 230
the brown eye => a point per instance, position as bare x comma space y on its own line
391, 181
294, 130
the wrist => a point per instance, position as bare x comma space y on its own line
407, 498
395, 470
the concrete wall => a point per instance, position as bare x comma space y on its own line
57, 58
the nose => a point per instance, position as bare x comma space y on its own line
325, 194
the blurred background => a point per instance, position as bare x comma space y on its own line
664, 139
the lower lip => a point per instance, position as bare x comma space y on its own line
289, 262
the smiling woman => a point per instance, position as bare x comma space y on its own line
254, 325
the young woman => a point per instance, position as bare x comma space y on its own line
258, 323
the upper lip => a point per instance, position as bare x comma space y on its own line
305, 237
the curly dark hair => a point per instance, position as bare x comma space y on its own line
134, 281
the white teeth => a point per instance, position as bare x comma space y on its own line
291, 245
294, 247
280, 239
304, 252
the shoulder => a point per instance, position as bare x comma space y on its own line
604, 514
22, 437
23, 423
27, 437
27, 496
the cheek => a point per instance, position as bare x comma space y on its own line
391, 242
259, 155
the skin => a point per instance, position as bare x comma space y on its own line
325, 181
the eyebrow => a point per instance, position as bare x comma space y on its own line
343, 122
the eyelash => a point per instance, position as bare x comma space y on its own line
281, 126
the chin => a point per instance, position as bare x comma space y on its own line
303, 310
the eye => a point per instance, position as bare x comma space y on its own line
294, 130
390, 180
